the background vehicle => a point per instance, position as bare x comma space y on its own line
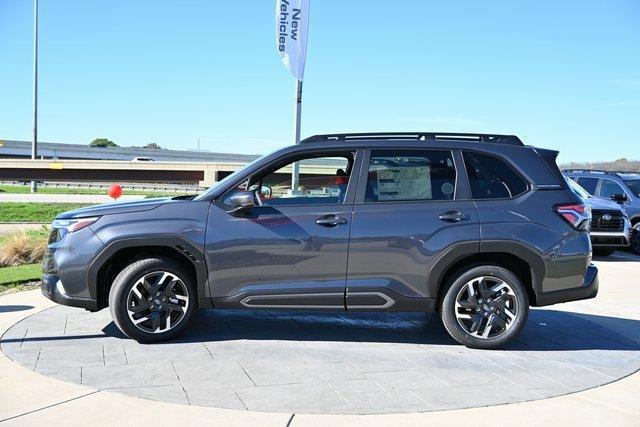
609, 223
476, 227
143, 159
621, 187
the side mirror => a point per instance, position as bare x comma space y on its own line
241, 201
620, 198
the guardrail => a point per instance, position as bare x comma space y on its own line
154, 187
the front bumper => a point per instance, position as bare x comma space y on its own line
589, 289
52, 288
611, 238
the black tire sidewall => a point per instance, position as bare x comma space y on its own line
603, 251
635, 242
125, 280
460, 279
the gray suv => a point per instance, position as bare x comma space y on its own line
621, 187
475, 227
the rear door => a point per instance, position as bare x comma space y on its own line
412, 206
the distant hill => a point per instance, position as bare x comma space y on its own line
615, 165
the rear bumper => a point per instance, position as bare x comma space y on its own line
589, 289
52, 288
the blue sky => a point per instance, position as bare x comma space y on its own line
563, 75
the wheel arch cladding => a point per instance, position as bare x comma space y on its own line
528, 270
121, 253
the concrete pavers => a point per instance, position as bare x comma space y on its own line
34, 399
323, 363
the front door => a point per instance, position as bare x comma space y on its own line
290, 250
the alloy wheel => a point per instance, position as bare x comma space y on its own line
157, 302
486, 307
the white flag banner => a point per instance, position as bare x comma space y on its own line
292, 27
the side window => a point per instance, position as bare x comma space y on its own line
491, 178
321, 180
409, 175
610, 188
589, 184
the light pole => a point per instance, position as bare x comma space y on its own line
34, 145
295, 172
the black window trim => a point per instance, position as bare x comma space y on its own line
504, 159
364, 175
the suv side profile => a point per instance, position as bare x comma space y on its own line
475, 227
621, 187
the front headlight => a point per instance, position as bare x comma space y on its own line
74, 224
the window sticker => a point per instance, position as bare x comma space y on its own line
404, 183
447, 188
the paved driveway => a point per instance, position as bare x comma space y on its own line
326, 363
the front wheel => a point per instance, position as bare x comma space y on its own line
484, 307
153, 299
635, 239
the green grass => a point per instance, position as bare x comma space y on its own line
20, 274
23, 189
34, 212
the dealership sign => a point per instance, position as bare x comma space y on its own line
292, 26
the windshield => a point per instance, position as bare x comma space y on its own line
634, 186
223, 181
581, 192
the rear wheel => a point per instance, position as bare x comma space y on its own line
152, 299
603, 251
484, 307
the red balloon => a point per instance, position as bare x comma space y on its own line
115, 191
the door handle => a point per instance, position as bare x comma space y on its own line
330, 221
452, 216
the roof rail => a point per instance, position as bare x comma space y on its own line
418, 136
583, 170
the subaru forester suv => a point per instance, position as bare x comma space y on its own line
475, 227
621, 187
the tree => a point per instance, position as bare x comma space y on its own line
102, 142
153, 145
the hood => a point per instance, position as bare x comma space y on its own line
115, 208
598, 203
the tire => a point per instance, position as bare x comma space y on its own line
167, 312
508, 298
603, 251
635, 240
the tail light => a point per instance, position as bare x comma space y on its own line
578, 215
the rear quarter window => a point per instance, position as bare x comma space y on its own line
492, 178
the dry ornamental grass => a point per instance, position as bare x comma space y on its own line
18, 248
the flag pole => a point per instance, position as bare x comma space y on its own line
295, 173
34, 145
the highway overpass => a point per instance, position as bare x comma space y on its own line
10, 149
201, 173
